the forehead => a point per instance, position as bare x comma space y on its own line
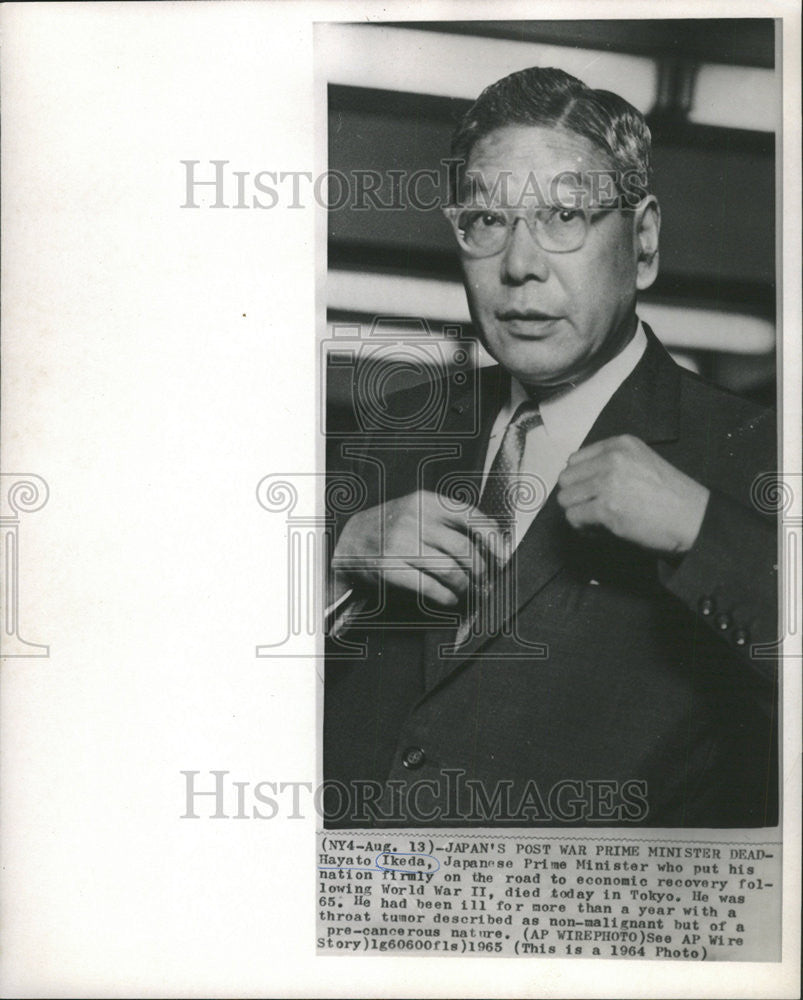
522, 153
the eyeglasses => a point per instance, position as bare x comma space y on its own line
483, 231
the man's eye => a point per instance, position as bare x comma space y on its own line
475, 221
492, 219
567, 215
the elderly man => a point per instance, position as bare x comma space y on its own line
588, 657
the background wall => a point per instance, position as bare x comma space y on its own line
712, 100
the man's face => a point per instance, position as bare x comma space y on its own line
551, 318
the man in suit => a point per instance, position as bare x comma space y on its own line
591, 656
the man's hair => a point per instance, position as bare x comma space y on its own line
552, 98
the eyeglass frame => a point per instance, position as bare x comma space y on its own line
451, 212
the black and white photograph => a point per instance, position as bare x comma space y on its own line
556, 602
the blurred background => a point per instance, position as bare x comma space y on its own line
713, 103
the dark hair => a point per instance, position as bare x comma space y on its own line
550, 97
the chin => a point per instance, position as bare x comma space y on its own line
541, 369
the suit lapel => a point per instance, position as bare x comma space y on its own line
645, 405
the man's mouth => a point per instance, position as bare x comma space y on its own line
526, 322
533, 315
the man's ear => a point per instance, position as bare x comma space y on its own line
646, 231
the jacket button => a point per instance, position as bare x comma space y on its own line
707, 606
413, 757
741, 637
724, 622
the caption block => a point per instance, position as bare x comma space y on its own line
558, 897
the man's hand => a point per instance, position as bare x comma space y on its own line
625, 487
427, 547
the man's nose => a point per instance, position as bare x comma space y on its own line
524, 259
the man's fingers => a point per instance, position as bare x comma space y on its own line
456, 544
470, 521
590, 451
445, 570
585, 469
434, 592
624, 443
425, 583
470, 536
437, 509
578, 492
422, 535
483, 551
585, 515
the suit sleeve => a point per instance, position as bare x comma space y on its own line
729, 577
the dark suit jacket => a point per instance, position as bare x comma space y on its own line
622, 688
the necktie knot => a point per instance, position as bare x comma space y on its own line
527, 415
